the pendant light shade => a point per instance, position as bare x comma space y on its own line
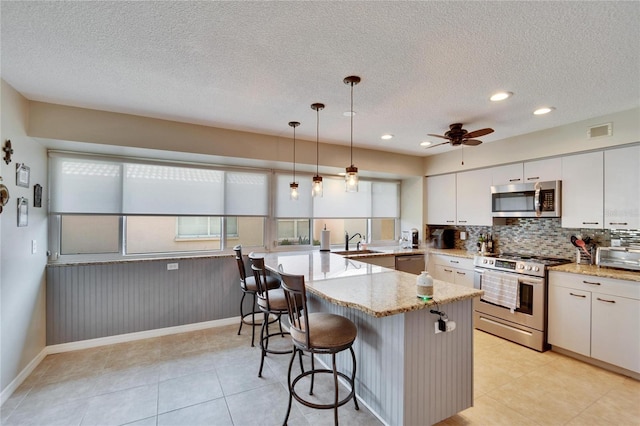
316, 189
293, 186
351, 175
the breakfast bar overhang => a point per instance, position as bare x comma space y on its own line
407, 374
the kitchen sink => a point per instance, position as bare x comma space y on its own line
351, 252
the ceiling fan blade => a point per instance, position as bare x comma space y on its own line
432, 146
438, 136
471, 142
478, 133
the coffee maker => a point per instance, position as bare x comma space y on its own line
414, 238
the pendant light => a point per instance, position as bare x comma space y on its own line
316, 189
351, 176
293, 186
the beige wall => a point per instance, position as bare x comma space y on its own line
545, 143
22, 277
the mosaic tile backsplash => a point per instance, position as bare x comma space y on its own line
539, 236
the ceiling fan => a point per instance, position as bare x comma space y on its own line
459, 136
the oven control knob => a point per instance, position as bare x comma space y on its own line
521, 266
484, 261
528, 267
490, 261
535, 268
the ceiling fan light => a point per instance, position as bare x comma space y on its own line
543, 110
500, 96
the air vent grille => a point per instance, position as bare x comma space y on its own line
600, 130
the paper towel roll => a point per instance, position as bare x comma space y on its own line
325, 240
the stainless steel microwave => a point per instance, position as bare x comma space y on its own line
533, 199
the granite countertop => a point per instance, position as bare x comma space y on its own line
454, 252
598, 271
372, 289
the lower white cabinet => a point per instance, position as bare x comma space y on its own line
596, 317
452, 269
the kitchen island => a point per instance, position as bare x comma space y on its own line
407, 374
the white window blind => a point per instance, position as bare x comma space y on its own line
285, 207
385, 199
337, 203
81, 185
93, 185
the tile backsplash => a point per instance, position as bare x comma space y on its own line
538, 236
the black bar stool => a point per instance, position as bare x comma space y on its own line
317, 333
248, 286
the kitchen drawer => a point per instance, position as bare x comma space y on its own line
614, 287
453, 261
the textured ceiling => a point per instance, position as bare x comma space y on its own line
255, 66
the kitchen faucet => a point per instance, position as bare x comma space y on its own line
347, 239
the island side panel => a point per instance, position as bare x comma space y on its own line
439, 367
379, 350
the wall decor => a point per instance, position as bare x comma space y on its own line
7, 151
22, 175
23, 212
37, 195
4, 195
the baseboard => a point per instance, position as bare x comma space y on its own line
15, 383
597, 363
103, 341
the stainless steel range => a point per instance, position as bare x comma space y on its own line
514, 305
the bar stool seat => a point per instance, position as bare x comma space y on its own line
317, 333
249, 287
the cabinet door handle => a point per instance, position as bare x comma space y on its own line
618, 223
461, 273
448, 270
590, 223
577, 295
589, 282
514, 180
450, 221
605, 300
454, 261
533, 178
462, 221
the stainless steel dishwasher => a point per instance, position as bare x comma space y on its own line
412, 263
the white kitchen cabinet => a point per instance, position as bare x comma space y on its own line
529, 171
582, 191
452, 269
473, 198
543, 170
441, 199
507, 174
596, 317
570, 319
615, 333
622, 188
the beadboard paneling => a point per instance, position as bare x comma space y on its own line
87, 301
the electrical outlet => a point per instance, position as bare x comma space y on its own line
172, 266
34, 246
449, 325
463, 235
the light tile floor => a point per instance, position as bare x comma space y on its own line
209, 377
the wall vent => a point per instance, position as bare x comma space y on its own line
600, 130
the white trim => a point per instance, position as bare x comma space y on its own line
103, 341
22, 376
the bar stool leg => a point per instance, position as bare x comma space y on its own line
335, 389
293, 357
242, 313
253, 320
353, 378
264, 331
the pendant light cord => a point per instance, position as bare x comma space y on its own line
317, 138
351, 124
294, 154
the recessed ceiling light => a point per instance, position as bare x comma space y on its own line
349, 113
544, 110
386, 137
500, 96
425, 143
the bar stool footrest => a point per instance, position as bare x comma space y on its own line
308, 403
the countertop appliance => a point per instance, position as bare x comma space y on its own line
413, 263
619, 257
527, 275
443, 238
532, 199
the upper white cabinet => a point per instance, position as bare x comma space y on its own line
507, 174
530, 171
441, 199
543, 170
473, 195
622, 188
582, 190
